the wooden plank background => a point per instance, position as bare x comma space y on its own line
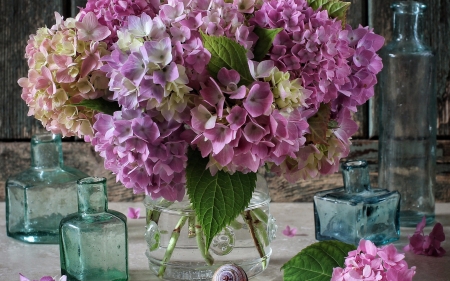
20, 18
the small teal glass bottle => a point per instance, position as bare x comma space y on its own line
356, 211
39, 197
93, 243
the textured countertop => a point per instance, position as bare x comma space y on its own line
35, 261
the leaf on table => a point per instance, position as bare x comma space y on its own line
218, 199
316, 262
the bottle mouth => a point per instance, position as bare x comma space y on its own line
91, 180
354, 164
408, 7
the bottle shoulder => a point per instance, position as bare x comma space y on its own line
399, 48
32, 177
79, 220
367, 197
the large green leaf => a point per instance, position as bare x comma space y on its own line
265, 39
336, 8
229, 54
100, 105
217, 199
316, 262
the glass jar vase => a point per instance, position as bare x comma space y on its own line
173, 237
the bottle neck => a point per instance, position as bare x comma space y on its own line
46, 151
356, 176
406, 27
92, 197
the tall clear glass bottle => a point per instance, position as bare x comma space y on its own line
407, 114
94, 240
39, 197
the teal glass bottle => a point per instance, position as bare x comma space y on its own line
93, 243
357, 211
407, 114
39, 197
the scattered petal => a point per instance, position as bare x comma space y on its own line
289, 232
134, 213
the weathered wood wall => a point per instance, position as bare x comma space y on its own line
19, 18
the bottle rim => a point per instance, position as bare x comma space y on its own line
408, 7
91, 180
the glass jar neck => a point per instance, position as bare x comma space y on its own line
92, 197
46, 151
356, 176
406, 20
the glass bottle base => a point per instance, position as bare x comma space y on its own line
412, 218
188, 271
97, 275
35, 237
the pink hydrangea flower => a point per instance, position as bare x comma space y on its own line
64, 70
370, 263
429, 245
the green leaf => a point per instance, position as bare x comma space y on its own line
229, 54
318, 125
316, 262
217, 199
100, 105
336, 8
265, 39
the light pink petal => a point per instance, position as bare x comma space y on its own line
63, 76
259, 99
23, 278
225, 156
89, 64
134, 213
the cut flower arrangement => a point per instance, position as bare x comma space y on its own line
195, 96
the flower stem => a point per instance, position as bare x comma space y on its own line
201, 243
260, 226
256, 239
172, 243
191, 227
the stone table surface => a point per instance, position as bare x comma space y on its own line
35, 261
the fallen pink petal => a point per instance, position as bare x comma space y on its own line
428, 245
134, 213
289, 232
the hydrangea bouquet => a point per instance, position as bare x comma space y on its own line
194, 96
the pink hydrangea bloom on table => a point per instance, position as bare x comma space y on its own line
45, 278
429, 245
368, 262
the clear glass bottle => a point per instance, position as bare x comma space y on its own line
94, 240
39, 197
407, 114
357, 211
